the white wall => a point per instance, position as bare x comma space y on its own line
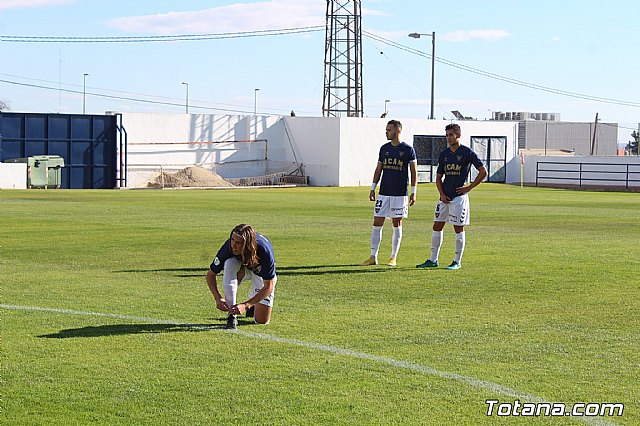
317, 140
361, 139
360, 142
335, 151
13, 175
185, 139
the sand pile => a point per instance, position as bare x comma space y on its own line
188, 177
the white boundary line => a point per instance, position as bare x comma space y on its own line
94, 314
471, 381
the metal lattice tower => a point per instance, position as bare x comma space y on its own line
343, 60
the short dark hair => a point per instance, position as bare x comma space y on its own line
454, 127
396, 124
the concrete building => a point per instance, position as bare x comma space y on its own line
330, 151
334, 151
578, 138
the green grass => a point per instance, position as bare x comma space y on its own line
547, 304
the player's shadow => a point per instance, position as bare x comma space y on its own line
329, 269
123, 329
179, 272
280, 270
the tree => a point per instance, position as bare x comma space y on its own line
632, 146
4, 106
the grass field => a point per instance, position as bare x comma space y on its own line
106, 317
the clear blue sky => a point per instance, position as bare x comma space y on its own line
582, 47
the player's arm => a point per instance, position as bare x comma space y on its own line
264, 292
414, 182
443, 196
212, 282
482, 173
376, 178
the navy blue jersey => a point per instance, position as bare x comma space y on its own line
266, 268
395, 168
455, 167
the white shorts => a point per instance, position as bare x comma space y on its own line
232, 267
391, 206
455, 212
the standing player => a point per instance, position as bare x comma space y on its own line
453, 206
245, 255
394, 162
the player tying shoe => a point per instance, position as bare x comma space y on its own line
245, 255
454, 164
395, 160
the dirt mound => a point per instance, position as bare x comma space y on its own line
188, 177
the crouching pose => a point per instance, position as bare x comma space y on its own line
246, 255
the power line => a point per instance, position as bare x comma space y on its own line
284, 31
500, 77
131, 99
297, 30
419, 87
158, 38
617, 125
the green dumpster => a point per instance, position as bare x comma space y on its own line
55, 163
43, 171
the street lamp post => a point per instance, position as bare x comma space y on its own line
186, 102
84, 93
385, 106
255, 102
433, 61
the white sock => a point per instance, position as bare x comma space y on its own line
376, 237
436, 243
460, 241
230, 288
395, 242
230, 280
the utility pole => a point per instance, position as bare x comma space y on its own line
593, 141
186, 102
433, 63
84, 93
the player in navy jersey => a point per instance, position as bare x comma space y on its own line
245, 255
454, 164
395, 160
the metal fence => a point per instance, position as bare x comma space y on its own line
582, 174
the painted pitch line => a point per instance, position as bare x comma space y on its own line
94, 314
471, 381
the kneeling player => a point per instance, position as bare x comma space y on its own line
246, 255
